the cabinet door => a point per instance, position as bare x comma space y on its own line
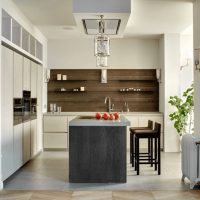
33, 138
18, 71
18, 146
27, 74
33, 80
27, 142
39, 107
55, 124
7, 112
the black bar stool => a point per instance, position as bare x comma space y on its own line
132, 140
154, 135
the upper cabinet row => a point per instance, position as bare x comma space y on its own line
14, 32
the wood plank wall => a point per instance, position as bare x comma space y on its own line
147, 99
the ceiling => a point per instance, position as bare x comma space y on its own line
149, 18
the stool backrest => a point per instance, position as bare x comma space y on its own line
150, 124
157, 127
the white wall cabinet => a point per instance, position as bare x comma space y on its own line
26, 141
7, 112
18, 146
39, 108
33, 138
18, 77
26, 74
33, 80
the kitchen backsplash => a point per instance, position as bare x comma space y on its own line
82, 90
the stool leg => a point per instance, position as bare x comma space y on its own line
133, 150
155, 149
131, 142
159, 160
135, 153
151, 151
138, 156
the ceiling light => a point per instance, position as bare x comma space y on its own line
102, 61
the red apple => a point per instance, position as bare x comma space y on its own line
111, 117
98, 115
106, 116
117, 116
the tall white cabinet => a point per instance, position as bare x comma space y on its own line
34, 68
26, 141
18, 146
7, 147
19, 141
18, 75
39, 108
26, 74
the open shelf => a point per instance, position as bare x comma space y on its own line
68, 80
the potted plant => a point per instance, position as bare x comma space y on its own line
184, 108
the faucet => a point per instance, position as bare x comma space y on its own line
110, 106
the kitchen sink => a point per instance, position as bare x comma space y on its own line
87, 117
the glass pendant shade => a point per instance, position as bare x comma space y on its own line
102, 61
102, 46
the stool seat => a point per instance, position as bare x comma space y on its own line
146, 133
132, 129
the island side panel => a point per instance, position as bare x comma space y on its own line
97, 154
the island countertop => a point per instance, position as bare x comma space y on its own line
92, 121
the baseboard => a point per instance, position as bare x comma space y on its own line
1, 185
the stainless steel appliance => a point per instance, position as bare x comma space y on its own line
27, 105
18, 110
34, 108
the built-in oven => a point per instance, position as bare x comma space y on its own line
18, 110
27, 104
33, 108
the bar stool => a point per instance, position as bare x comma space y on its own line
132, 140
154, 135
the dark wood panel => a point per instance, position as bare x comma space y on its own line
95, 92
97, 154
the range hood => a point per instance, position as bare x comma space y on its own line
91, 26
116, 14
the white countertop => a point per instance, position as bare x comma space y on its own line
93, 113
78, 121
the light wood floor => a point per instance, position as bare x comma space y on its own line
100, 195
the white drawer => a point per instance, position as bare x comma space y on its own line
55, 124
55, 140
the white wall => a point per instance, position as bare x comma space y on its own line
169, 62
125, 53
161, 64
196, 13
186, 61
11, 8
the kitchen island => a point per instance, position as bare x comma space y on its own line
97, 150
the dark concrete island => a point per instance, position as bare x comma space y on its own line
97, 150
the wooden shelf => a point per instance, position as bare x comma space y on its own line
57, 91
136, 91
65, 80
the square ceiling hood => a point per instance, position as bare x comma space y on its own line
115, 13
91, 26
